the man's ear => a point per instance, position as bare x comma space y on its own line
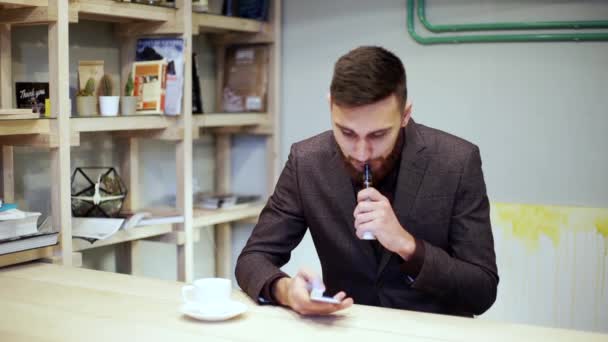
407, 113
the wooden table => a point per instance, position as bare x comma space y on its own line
43, 302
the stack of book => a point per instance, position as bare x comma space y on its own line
19, 230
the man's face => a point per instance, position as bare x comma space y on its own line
369, 133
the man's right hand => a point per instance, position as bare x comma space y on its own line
294, 293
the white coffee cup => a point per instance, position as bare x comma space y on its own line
208, 291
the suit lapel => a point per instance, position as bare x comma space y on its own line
346, 201
411, 171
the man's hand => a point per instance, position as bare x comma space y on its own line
294, 293
374, 214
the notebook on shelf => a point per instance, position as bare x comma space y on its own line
15, 223
25, 242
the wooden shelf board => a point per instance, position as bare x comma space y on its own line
206, 217
16, 112
113, 11
136, 233
229, 119
25, 3
203, 22
25, 126
120, 123
25, 256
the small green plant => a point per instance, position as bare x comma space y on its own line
89, 88
129, 86
105, 86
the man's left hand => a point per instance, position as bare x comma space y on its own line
375, 214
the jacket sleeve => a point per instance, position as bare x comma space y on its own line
280, 228
466, 275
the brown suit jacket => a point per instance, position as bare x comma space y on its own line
440, 198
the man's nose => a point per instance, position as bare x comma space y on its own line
363, 151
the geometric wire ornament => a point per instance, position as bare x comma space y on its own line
103, 197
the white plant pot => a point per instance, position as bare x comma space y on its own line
108, 105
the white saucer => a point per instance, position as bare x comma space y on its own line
216, 312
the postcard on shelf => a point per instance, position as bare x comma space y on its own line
245, 81
197, 96
32, 95
89, 69
149, 86
172, 51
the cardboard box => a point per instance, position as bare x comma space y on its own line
245, 85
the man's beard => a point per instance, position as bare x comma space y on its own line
386, 163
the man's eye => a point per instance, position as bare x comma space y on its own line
378, 135
348, 134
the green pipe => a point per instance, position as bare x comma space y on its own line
535, 25
579, 37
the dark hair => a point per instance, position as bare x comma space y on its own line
367, 75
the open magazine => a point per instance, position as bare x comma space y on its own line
95, 228
171, 50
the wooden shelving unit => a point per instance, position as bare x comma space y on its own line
61, 131
225, 31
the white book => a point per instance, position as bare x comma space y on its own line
15, 222
23, 243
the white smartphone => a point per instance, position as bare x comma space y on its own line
324, 299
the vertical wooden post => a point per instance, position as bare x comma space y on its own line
274, 99
6, 77
128, 260
127, 57
127, 257
7, 181
185, 253
223, 232
59, 85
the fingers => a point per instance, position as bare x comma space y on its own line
305, 306
340, 295
365, 217
370, 194
364, 207
311, 278
300, 295
364, 228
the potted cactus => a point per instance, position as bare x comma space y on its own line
86, 102
108, 103
128, 103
